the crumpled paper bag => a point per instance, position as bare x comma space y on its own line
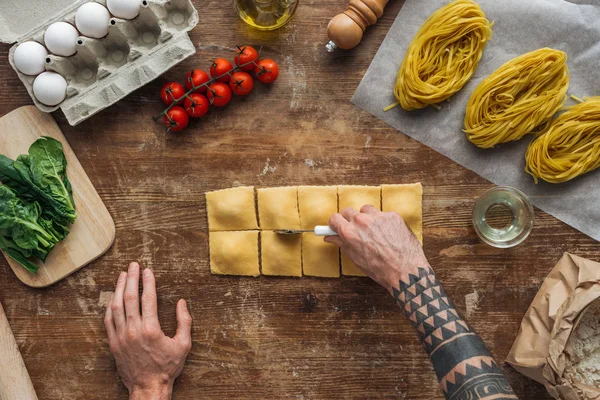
539, 349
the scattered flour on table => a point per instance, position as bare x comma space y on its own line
103, 299
368, 142
312, 164
214, 47
583, 348
297, 79
472, 303
83, 306
268, 168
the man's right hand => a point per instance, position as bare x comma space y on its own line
379, 243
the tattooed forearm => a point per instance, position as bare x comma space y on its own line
462, 363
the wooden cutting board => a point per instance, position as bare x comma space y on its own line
93, 232
15, 383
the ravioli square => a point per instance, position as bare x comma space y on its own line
278, 208
319, 258
234, 253
348, 267
406, 200
281, 254
356, 197
231, 209
316, 204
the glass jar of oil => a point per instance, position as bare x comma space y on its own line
503, 217
265, 15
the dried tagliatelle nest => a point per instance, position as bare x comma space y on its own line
443, 56
518, 98
569, 147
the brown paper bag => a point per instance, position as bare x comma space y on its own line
539, 349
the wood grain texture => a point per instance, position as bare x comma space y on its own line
92, 233
270, 338
15, 383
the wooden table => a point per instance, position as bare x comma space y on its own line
269, 338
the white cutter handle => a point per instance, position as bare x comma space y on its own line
324, 230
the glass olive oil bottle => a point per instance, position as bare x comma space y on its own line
266, 15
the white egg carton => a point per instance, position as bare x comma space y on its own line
103, 71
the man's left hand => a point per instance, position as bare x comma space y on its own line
147, 360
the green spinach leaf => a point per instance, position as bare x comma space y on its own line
16, 253
19, 176
36, 202
19, 221
48, 167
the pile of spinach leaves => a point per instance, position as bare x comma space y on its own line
36, 202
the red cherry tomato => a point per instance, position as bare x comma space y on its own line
246, 54
219, 67
196, 78
172, 92
176, 119
241, 83
219, 94
196, 105
267, 71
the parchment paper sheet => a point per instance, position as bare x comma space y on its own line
520, 26
539, 349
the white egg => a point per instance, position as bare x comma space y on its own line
61, 39
92, 20
126, 9
50, 88
30, 58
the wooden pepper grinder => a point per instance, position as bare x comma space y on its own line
346, 30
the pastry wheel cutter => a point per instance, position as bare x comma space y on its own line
320, 230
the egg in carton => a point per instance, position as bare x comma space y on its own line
131, 53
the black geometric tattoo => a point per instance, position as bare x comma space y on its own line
465, 368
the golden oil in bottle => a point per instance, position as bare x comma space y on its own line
266, 15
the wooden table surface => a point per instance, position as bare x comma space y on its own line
269, 338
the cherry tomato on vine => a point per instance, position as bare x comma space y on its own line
171, 92
219, 67
241, 83
196, 78
176, 119
196, 105
219, 94
246, 54
267, 71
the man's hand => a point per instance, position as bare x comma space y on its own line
383, 247
379, 243
147, 360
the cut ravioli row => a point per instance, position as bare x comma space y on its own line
237, 231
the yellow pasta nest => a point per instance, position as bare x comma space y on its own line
570, 147
517, 98
443, 56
